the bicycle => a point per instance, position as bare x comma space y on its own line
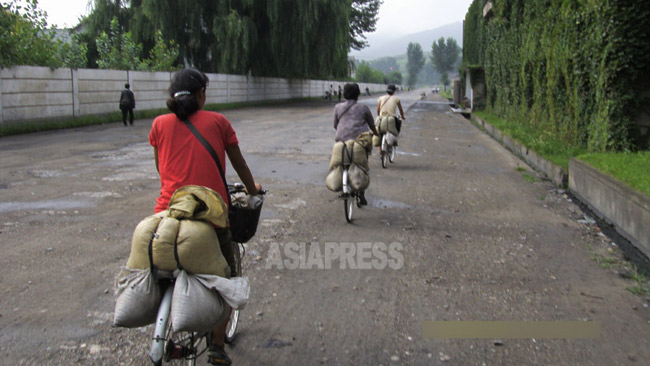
177, 348
350, 196
388, 149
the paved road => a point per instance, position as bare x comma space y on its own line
457, 229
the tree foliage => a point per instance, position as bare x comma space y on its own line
577, 70
117, 50
24, 36
73, 54
385, 64
363, 19
298, 38
444, 56
163, 56
367, 74
414, 63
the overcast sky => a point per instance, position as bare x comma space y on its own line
401, 17
396, 17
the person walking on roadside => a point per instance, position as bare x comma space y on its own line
127, 103
340, 92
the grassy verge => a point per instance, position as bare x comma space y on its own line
17, 128
447, 93
538, 141
632, 169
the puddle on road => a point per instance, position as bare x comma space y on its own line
60, 204
384, 203
296, 203
400, 152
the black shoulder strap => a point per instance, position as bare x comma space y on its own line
385, 101
346, 110
208, 147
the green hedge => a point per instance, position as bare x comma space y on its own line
578, 69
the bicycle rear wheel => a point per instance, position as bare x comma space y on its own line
233, 321
182, 348
384, 151
391, 153
348, 204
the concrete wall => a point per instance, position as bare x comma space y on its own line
613, 201
30, 93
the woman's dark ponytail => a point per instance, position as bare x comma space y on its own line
183, 92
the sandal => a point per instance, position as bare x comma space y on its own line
217, 356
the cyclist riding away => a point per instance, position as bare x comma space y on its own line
388, 104
182, 160
352, 119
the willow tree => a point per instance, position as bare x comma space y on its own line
363, 18
300, 38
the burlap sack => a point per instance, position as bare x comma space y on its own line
359, 179
391, 139
138, 299
386, 124
195, 308
334, 180
376, 141
187, 222
359, 154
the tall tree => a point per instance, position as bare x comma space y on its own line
363, 19
24, 36
118, 51
414, 63
444, 57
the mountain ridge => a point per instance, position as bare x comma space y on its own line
381, 46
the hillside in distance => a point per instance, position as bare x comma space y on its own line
383, 46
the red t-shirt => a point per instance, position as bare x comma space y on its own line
182, 160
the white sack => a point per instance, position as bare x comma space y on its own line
138, 299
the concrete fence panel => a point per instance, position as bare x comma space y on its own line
30, 93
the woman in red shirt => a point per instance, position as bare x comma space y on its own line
182, 160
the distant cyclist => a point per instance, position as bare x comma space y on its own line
388, 104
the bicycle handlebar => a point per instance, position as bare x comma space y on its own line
239, 187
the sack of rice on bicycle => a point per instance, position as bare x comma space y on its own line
385, 124
181, 235
355, 154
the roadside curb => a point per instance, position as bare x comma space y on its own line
613, 201
554, 173
627, 210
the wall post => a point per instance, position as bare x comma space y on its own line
1, 114
76, 108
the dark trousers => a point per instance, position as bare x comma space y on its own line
124, 112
